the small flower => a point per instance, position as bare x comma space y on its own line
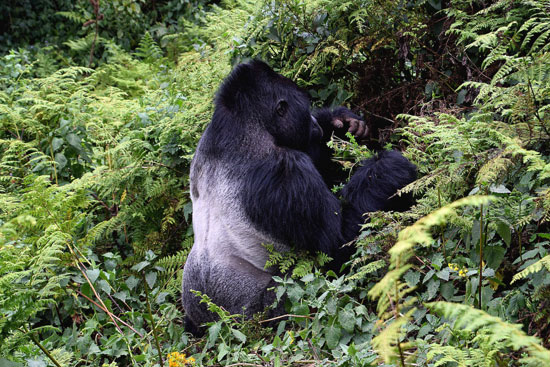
177, 359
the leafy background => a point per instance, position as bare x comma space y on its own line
101, 107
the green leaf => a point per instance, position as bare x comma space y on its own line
86, 290
346, 318
61, 160
308, 278
504, 231
161, 298
92, 274
131, 282
300, 309
332, 335
56, 143
460, 97
433, 287
412, 277
74, 140
151, 278
121, 296
331, 306
447, 290
104, 286
213, 332
237, 334
444, 274
500, 189
295, 294
223, 349
140, 266
36, 363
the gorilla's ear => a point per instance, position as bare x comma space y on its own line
282, 107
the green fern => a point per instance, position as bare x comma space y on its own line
395, 303
34, 238
147, 49
73, 16
500, 334
543, 263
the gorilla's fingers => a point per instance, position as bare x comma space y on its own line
354, 125
362, 130
337, 123
358, 128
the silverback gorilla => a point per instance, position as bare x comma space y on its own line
261, 175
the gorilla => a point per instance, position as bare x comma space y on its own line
261, 175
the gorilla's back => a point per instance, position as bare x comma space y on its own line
227, 259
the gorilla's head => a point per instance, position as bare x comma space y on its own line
254, 94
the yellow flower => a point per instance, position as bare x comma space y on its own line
177, 359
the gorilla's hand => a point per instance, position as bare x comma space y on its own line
343, 118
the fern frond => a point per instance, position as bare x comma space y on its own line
499, 332
73, 16
148, 49
543, 263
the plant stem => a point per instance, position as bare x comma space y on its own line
480, 253
96, 11
155, 336
53, 162
42, 348
396, 314
108, 312
442, 235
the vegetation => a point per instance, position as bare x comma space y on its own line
99, 121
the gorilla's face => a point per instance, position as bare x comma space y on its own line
292, 124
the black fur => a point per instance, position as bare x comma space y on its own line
260, 175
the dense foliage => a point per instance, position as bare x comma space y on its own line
101, 107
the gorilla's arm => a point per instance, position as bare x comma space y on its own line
374, 185
287, 198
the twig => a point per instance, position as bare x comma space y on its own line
315, 355
77, 263
396, 313
480, 253
380, 117
107, 311
80, 265
442, 235
287, 315
42, 348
